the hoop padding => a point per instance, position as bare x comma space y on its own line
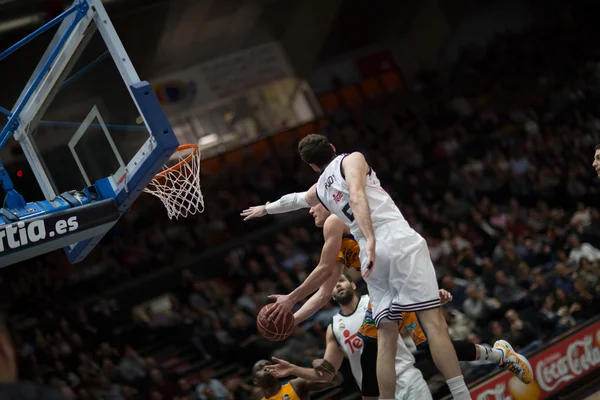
178, 187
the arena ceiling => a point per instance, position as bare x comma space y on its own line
159, 35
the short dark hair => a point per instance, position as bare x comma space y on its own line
316, 149
346, 275
597, 147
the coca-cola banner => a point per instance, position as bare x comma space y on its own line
556, 367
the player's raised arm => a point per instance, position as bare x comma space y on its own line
333, 231
356, 170
287, 203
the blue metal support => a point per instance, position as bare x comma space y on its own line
4, 111
13, 122
13, 199
39, 31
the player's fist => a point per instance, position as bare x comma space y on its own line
254, 212
445, 296
370, 252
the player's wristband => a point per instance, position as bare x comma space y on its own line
289, 202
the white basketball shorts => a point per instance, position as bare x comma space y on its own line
412, 386
403, 278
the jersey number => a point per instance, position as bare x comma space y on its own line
348, 212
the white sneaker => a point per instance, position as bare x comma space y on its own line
514, 362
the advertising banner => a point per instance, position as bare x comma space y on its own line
554, 368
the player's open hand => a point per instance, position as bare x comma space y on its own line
445, 296
280, 368
254, 212
283, 305
324, 368
370, 249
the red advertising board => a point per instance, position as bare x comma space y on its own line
561, 364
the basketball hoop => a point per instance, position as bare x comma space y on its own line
178, 187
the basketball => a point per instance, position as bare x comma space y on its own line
269, 330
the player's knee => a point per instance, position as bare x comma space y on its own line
387, 334
433, 321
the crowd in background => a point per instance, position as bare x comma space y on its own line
493, 168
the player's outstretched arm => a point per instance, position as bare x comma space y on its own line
356, 170
304, 387
324, 370
289, 202
319, 299
333, 231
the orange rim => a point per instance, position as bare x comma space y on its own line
182, 162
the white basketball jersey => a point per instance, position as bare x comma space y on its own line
345, 329
334, 194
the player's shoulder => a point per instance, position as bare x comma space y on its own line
334, 225
355, 156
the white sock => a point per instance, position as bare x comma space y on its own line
458, 388
489, 354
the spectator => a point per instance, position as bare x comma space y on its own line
579, 250
132, 367
522, 333
506, 290
210, 388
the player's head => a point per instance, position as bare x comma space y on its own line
596, 163
262, 376
344, 291
316, 151
319, 214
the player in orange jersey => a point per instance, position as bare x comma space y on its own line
295, 389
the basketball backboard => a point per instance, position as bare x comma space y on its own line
92, 132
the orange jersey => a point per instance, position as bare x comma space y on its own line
286, 392
349, 253
368, 330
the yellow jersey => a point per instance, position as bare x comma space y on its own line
349, 255
286, 392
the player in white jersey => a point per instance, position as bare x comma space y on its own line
343, 340
395, 260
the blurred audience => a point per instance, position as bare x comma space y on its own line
492, 168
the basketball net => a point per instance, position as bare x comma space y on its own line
178, 187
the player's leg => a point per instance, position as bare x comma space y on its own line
381, 296
387, 342
368, 364
418, 292
411, 385
441, 347
502, 355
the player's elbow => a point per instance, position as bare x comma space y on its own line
326, 378
327, 270
357, 196
338, 379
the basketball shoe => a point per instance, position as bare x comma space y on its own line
514, 362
